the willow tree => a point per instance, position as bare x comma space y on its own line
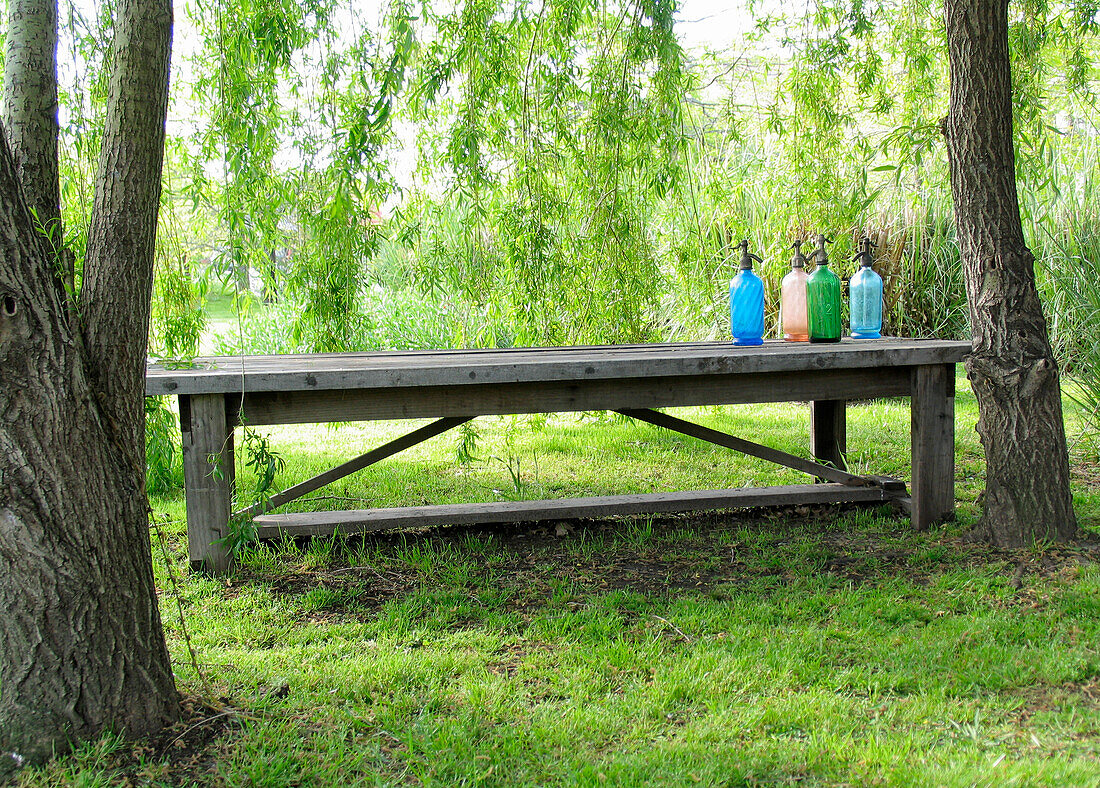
82, 649
560, 125
1011, 367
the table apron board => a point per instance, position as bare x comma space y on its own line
208, 417
557, 396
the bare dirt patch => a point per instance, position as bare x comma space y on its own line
705, 554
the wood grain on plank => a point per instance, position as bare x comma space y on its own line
745, 447
829, 432
399, 369
295, 407
208, 473
361, 521
351, 466
933, 445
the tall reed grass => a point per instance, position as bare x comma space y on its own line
1065, 237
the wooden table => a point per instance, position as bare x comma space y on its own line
454, 386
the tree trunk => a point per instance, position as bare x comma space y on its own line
118, 265
1011, 368
30, 103
81, 644
30, 116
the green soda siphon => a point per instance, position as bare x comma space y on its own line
823, 298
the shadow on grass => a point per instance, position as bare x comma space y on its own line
713, 555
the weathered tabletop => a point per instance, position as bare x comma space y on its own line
455, 385
394, 369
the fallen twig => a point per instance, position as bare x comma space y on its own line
679, 631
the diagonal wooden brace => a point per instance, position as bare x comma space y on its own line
746, 447
351, 466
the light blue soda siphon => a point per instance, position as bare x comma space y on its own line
865, 296
747, 302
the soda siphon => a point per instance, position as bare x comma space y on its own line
747, 302
865, 296
823, 298
792, 303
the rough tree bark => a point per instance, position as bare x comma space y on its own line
117, 291
1011, 368
81, 644
30, 105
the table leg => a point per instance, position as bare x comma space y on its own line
933, 445
829, 432
208, 475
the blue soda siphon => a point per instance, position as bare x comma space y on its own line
747, 302
865, 296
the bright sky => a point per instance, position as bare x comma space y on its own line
710, 24
717, 25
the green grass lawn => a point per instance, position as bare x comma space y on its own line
809, 646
